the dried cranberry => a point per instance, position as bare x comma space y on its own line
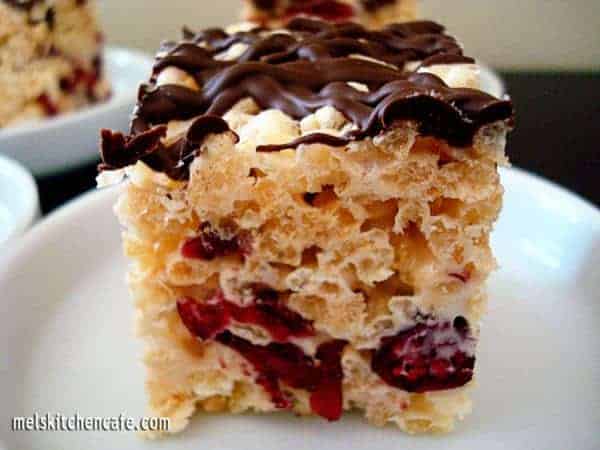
208, 318
327, 399
325, 9
463, 276
277, 361
287, 363
210, 245
204, 320
48, 105
428, 357
87, 79
374, 5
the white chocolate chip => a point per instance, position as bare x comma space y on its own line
329, 117
176, 129
358, 86
325, 118
269, 127
233, 52
173, 75
240, 27
373, 60
456, 75
110, 177
309, 123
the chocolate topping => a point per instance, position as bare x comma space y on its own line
313, 138
446, 58
118, 151
300, 71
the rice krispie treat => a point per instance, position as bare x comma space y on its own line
307, 211
50, 58
372, 13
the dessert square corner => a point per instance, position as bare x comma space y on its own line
311, 244
51, 54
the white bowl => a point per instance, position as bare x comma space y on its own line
19, 202
69, 140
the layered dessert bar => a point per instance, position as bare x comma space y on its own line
50, 58
372, 13
307, 212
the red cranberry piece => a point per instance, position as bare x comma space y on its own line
204, 320
288, 363
209, 245
199, 248
374, 5
309, 197
48, 105
427, 357
87, 79
463, 276
244, 243
327, 399
281, 322
207, 319
461, 325
277, 361
325, 9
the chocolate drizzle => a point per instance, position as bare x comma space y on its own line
118, 151
300, 71
313, 138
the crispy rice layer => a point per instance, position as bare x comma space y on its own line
384, 241
50, 60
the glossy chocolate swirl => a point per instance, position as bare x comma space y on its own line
298, 72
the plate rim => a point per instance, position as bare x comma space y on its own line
30, 209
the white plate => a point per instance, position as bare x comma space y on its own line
69, 140
19, 202
66, 343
